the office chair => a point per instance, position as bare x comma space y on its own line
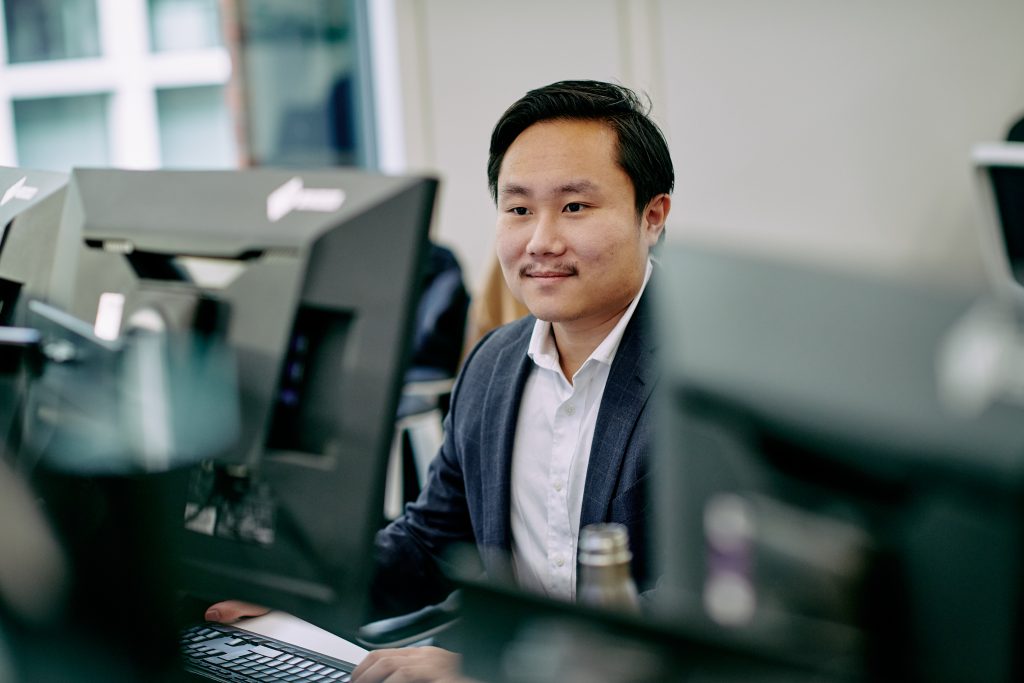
418, 435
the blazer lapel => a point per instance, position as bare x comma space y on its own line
630, 382
500, 416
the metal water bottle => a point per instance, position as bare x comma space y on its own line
605, 579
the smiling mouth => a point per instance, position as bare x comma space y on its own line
540, 273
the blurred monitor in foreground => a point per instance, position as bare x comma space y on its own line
838, 477
30, 207
507, 635
246, 332
999, 172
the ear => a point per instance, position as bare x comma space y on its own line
652, 222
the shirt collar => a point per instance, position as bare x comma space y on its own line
544, 353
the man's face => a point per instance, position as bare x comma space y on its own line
571, 245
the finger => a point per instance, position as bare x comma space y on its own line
408, 665
375, 666
230, 611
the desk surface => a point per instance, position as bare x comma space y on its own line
291, 629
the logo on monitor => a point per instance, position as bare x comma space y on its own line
19, 190
292, 196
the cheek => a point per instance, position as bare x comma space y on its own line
614, 253
605, 246
508, 245
508, 261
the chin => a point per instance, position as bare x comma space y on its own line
558, 308
549, 314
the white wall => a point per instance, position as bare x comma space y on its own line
824, 129
840, 130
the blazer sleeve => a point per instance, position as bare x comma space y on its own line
411, 553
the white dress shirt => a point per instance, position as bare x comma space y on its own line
554, 433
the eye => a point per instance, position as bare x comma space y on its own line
573, 207
519, 210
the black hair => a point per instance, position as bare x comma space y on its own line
643, 152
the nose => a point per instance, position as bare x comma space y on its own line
546, 239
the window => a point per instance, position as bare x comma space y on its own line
131, 84
41, 30
306, 94
195, 128
56, 133
184, 24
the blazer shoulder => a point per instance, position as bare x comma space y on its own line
495, 357
500, 338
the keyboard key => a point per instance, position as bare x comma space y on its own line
267, 651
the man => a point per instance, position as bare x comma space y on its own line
548, 429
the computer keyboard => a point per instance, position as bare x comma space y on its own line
232, 655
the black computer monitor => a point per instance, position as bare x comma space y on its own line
999, 174
253, 327
30, 206
838, 476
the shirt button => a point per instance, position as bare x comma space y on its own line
570, 410
560, 561
558, 486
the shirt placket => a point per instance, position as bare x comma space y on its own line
565, 436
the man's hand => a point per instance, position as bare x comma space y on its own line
410, 665
230, 611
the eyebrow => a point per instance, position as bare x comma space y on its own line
578, 187
571, 187
514, 190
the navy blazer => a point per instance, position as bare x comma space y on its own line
467, 496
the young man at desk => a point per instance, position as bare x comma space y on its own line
548, 429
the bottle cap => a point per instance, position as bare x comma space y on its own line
604, 544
